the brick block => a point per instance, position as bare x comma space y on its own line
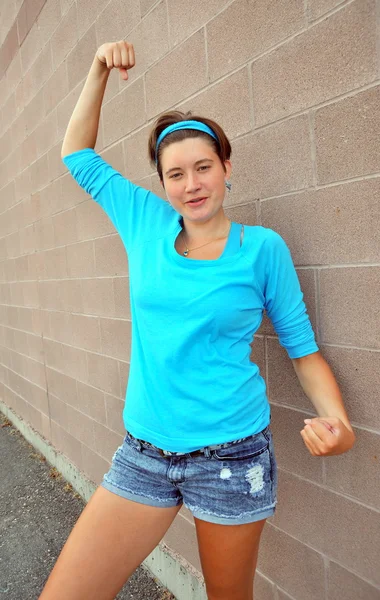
60, 326
271, 162
103, 372
146, 5
114, 410
121, 297
177, 75
33, 9
221, 103
31, 47
356, 474
329, 59
56, 166
200, 14
317, 8
55, 263
116, 338
70, 290
70, 193
92, 221
9, 48
34, 112
94, 465
124, 113
39, 173
56, 88
347, 300
291, 452
81, 259
98, 297
46, 133
329, 226
63, 388
137, 164
243, 213
65, 109
49, 18
81, 427
117, 20
65, 36
58, 410
343, 584
330, 523
106, 441
150, 40
110, 256
31, 296
114, 156
18, 131
347, 134
34, 345
247, 29
305, 581
20, 317
52, 354
22, 24
44, 234
124, 368
14, 73
91, 402
80, 58
283, 384
86, 332
38, 74
28, 156
358, 375
263, 588
88, 11
65, 227
75, 363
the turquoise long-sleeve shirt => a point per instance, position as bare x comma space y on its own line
191, 381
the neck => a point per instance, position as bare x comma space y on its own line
205, 230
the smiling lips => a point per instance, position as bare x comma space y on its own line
196, 201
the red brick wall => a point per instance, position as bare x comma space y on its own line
296, 86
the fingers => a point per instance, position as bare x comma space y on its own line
318, 439
120, 55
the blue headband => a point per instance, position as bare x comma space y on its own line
184, 125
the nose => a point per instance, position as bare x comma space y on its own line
192, 183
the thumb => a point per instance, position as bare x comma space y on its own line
124, 73
326, 421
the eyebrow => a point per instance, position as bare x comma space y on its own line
197, 163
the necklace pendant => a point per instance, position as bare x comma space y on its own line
186, 252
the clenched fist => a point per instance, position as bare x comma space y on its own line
119, 55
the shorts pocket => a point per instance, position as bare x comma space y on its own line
244, 450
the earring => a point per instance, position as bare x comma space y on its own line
228, 185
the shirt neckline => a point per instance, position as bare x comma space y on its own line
192, 263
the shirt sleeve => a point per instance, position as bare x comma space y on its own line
137, 214
284, 300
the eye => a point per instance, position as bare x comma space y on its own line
204, 167
175, 176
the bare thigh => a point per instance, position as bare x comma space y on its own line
228, 556
110, 540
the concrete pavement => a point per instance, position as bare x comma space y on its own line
38, 509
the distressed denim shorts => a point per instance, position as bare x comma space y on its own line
231, 483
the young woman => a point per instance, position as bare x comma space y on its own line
197, 416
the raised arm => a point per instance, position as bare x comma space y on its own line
82, 129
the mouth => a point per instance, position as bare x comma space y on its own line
196, 201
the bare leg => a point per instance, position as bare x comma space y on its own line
111, 538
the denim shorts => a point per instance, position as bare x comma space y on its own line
230, 484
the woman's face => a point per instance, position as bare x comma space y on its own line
194, 178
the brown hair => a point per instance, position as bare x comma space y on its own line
222, 147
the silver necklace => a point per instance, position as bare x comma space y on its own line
186, 252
